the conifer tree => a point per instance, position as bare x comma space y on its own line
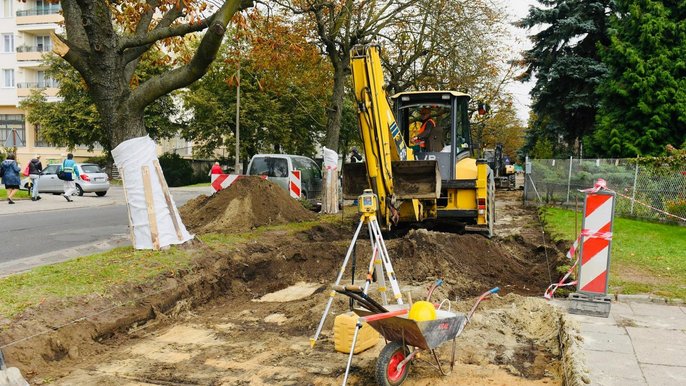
644, 98
567, 67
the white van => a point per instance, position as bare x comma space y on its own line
277, 168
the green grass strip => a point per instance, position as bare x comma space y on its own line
646, 257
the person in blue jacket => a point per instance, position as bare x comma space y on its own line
71, 171
10, 176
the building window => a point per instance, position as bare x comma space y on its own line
7, 43
40, 141
6, 8
43, 43
12, 130
8, 77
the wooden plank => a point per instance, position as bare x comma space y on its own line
150, 203
167, 197
128, 207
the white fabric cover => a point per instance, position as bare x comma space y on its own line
130, 156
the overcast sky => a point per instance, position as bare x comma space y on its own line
520, 91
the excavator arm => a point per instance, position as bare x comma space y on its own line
390, 169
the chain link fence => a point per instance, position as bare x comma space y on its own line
644, 191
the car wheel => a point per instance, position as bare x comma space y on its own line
100, 194
79, 190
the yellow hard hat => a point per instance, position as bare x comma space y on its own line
422, 311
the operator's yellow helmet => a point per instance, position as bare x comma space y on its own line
422, 311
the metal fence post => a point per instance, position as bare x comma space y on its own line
633, 193
527, 170
569, 179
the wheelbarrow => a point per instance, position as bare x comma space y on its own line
406, 337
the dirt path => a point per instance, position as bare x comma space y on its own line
213, 330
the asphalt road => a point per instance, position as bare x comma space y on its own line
30, 238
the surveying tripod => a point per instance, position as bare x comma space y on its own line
367, 206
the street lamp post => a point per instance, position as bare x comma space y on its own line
238, 121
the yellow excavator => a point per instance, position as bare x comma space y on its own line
415, 183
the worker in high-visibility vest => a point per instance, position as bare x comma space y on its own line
427, 125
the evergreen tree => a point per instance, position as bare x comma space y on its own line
644, 98
566, 63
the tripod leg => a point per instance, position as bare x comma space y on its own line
313, 340
352, 276
383, 253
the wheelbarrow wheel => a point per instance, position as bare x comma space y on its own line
387, 373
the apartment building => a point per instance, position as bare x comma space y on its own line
25, 29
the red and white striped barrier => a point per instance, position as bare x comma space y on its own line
595, 237
223, 181
596, 240
294, 184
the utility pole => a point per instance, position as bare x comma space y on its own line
238, 121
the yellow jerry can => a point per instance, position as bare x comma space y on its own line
344, 330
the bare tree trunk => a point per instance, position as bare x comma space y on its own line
335, 112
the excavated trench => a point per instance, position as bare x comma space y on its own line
244, 315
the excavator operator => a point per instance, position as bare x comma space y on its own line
423, 131
430, 134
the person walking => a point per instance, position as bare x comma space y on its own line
9, 169
70, 170
35, 168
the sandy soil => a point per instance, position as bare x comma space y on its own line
245, 316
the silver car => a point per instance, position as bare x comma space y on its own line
93, 180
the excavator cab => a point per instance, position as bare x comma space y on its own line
433, 121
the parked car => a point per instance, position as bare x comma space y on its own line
277, 168
93, 180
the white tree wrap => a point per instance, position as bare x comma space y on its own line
154, 220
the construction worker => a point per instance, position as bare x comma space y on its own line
427, 127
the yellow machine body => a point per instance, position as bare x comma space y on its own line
414, 184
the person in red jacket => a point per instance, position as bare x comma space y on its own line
216, 169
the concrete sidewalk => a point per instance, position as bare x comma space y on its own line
639, 344
50, 201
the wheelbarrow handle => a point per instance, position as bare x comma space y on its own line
384, 315
482, 297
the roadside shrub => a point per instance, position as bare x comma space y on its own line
177, 170
676, 207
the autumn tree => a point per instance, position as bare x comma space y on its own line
73, 120
284, 82
644, 98
340, 25
105, 41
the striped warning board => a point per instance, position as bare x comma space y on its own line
294, 184
596, 242
223, 181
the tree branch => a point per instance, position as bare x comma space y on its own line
180, 77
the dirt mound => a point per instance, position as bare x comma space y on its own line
248, 203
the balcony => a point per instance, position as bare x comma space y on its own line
32, 53
51, 9
50, 88
40, 15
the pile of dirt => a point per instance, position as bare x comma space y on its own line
248, 203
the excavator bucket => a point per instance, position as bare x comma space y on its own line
355, 180
416, 179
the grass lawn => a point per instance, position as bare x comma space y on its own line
645, 258
19, 195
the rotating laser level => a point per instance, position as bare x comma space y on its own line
367, 202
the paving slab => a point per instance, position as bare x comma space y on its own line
658, 346
664, 375
613, 342
661, 310
608, 368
